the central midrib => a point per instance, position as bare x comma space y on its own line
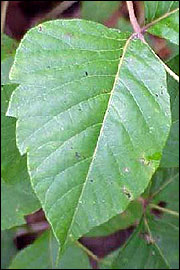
101, 131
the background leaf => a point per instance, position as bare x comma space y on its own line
43, 252
98, 11
167, 28
160, 250
155, 9
18, 198
84, 112
170, 156
8, 248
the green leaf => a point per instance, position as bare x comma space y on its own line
124, 25
170, 156
167, 28
132, 214
43, 252
88, 106
98, 11
5, 68
18, 198
138, 254
155, 245
8, 47
8, 249
8, 50
156, 9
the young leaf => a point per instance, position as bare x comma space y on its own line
88, 106
43, 252
156, 9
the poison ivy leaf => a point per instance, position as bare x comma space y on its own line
18, 198
167, 28
88, 106
155, 245
139, 254
43, 252
98, 11
8, 249
170, 156
132, 214
155, 9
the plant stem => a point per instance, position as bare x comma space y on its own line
158, 19
174, 75
59, 9
3, 14
151, 240
171, 73
87, 251
132, 17
165, 210
133, 20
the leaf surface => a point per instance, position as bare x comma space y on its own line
170, 156
43, 252
18, 198
167, 28
156, 247
131, 215
8, 248
98, 11
88, 106
156, 9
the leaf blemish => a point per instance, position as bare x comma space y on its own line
40, 28
126, 170
127, 193
144, 161
86, 73
77, 155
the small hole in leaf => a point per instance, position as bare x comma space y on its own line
86, 73
156, 95
91, 180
